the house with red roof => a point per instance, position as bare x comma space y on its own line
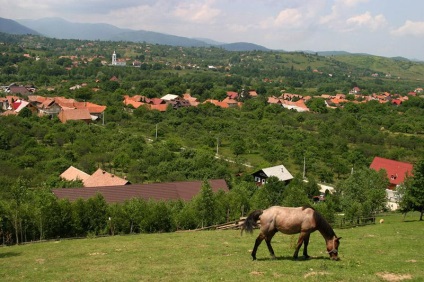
74, 114
396, 171
232, 95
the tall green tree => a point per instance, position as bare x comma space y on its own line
363, 194
412, 192
16, 206
206, 204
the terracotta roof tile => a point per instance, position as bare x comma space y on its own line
74, 114
104, 178
72, 174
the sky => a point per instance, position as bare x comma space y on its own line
386, 28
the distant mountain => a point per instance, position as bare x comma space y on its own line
243, 46
13, 27
210, 41
62, 29
157, 38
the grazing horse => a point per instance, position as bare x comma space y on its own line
303, 220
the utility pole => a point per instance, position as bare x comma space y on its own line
304, 167
156, 135
217, 145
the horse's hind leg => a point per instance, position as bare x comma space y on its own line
257, 243
305, 246
268, 243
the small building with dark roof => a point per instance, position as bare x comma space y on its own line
184, 190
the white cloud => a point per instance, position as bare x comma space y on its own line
410, 28
350, 3
366, 20
288, 18
196, 12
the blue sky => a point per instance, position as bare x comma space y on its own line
378, 27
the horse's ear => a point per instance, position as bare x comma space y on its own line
338, 238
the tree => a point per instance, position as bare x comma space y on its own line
412, 192
19, 195
206, 204
25, 113
238, 146
317, 105
363, 193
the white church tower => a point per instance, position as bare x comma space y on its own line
114, 58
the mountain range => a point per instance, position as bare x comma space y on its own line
62, 29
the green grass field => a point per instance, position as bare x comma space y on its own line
392, 251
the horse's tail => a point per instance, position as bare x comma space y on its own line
251, 221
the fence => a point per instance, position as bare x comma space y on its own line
342, 223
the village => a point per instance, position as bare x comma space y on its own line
18, 97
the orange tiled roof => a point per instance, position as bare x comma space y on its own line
74, 114
159, 107
104, 178
273, 100
72, 174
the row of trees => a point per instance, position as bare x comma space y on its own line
36, 214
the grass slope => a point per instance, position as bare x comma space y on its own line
404, 69
383, 252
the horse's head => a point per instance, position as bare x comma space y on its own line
333, 247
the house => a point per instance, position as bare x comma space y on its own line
232, 95
217, 103
232, 103
396, 171
95, 110
355, 90
74, 114
253, 93
18, 90
103, 178
192, 100
278, 171
6, 102
170, 97
74, 174
44, 105
299, 106
184, 190
273, 100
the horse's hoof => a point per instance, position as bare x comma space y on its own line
306, 257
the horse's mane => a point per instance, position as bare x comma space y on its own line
322, 225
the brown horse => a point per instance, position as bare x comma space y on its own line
303, 220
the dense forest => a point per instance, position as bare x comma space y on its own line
195, 143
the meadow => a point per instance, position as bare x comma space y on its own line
391, 251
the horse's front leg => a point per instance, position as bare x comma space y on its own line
298, 245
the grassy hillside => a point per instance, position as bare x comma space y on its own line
381, 252
404, 69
